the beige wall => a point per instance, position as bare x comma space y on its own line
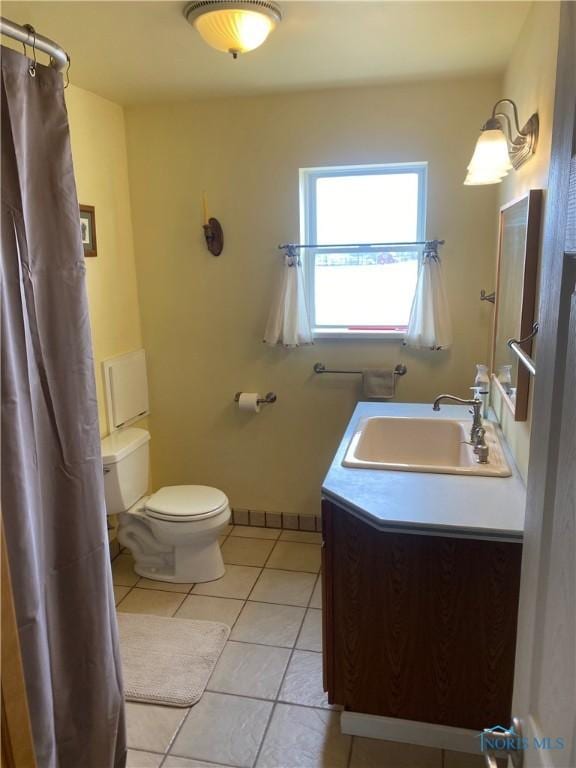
530, 80
203, 317
100, 165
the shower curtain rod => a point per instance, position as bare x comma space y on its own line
287, 246
59, 59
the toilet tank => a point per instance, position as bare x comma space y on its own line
125, 460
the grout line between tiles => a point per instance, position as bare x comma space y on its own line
265, 645
180, 604
262, 569
350, 748
127, 593
275, 700
146, 751
289, 570
260, 538
192, 759
265, 567
242, 600
283, 678
175, 734
265, 732
278, 647
247, 599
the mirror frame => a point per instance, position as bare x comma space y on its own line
519, 409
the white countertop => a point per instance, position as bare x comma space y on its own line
422, 502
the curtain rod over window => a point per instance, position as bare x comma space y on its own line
295, 246
26, 34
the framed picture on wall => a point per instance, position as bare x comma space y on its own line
88, 229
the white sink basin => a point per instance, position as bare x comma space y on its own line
423, 445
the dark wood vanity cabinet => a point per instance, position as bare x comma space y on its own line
418, 627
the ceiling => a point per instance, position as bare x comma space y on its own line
134, 52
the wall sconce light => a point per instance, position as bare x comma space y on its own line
214, 236
497, 151
213, 232
233, 27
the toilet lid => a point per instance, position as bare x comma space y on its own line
186, 502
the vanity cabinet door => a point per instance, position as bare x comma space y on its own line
418, 627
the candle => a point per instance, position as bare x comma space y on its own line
205, 208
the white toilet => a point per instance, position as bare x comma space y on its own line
173, 534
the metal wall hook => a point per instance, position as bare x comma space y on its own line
491, 297
535, 329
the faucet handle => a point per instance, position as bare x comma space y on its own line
482, 452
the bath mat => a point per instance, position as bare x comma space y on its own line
168, 661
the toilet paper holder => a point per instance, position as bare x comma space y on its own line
269, 397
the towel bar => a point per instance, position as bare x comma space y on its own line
400, 370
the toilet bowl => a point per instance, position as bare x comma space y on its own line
174, 533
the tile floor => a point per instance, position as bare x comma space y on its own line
264, 705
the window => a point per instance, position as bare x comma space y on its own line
355, 290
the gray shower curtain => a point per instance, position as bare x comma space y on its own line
52, 484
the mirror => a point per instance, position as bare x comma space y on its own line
517, 268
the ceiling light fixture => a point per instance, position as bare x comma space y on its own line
233, 27
497, 152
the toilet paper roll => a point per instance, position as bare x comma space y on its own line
248, 401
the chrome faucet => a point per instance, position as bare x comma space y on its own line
477, 431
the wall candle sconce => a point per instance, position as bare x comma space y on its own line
497, 151
212, 231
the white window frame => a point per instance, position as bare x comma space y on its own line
308, 180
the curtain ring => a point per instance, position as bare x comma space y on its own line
292, 254
431, 250
32, 67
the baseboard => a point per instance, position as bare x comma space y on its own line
288, 521
410, 732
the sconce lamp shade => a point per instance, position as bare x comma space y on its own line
233, 27
476, 179
490, 161
497, 153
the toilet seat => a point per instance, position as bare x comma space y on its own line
186, 503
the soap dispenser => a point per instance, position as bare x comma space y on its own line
505, 378
481, 388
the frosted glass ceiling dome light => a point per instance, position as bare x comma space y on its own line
497, 152
233, 27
